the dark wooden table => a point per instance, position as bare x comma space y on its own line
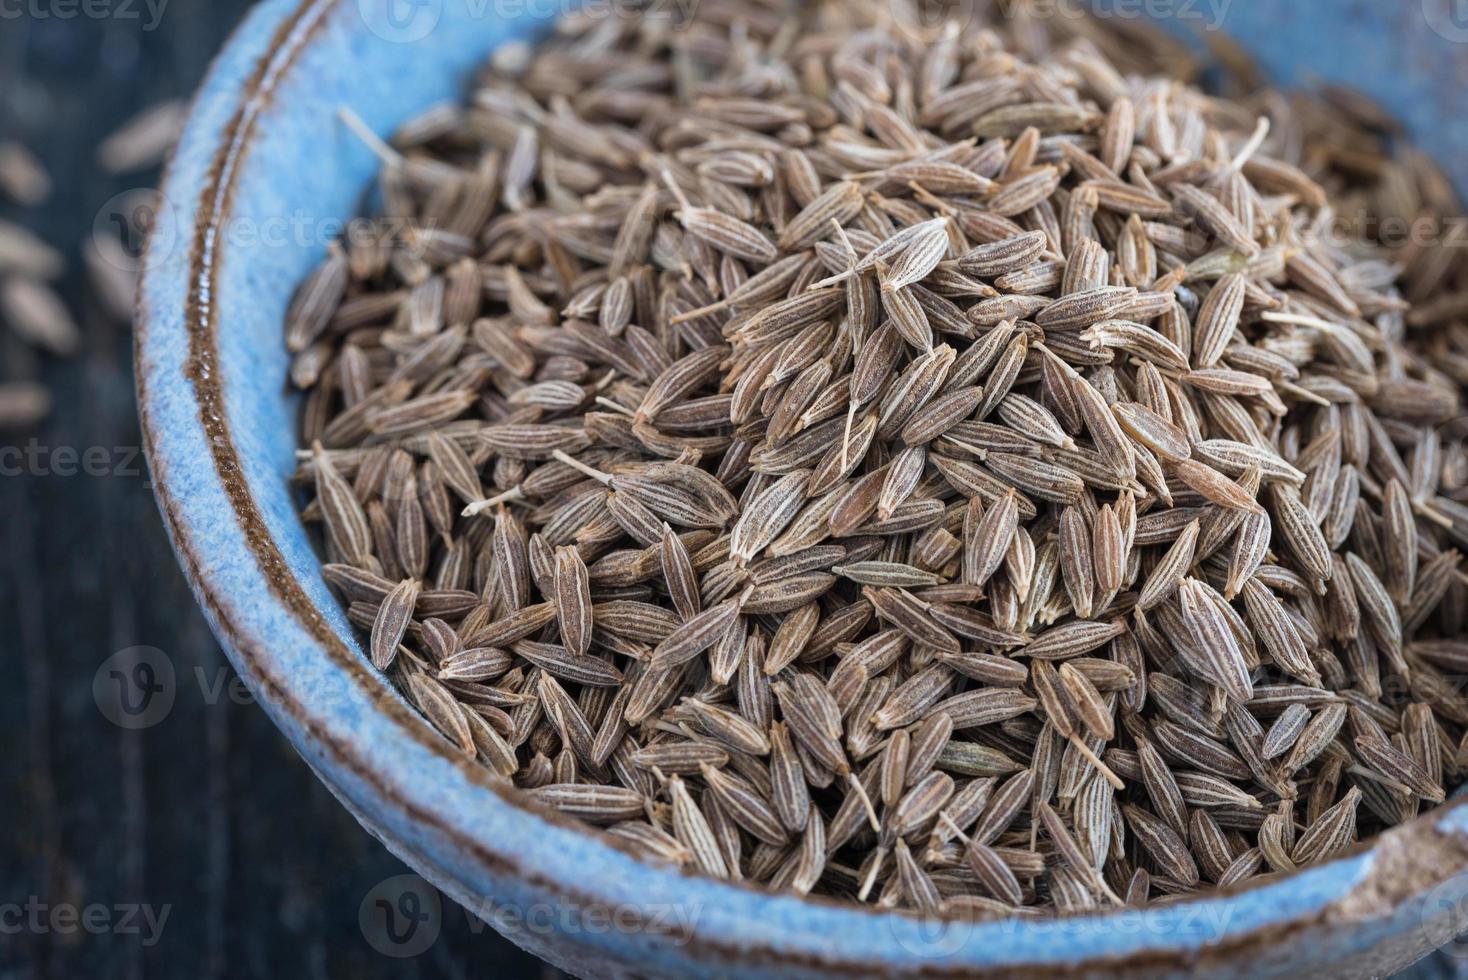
207, 817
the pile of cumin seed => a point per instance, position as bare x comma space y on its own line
956, 471
33, 307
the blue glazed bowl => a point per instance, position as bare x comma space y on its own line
261, 174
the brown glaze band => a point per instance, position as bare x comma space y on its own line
202, 370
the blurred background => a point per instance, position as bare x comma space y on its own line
192, 841
185, 839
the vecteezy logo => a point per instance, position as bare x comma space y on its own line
926, 20
400, 21
1448, 19
135, 688
401, 916
1445, 917
136, 220
932, 939
1453, 435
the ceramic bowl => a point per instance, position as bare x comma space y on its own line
264, 172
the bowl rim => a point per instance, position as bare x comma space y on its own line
291, 27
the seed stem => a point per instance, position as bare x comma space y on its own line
871, 878
576, 464
1095, 760
480, 506
390, 157
614, 406
866, 801
1261, 132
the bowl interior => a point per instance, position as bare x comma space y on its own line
265, 178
